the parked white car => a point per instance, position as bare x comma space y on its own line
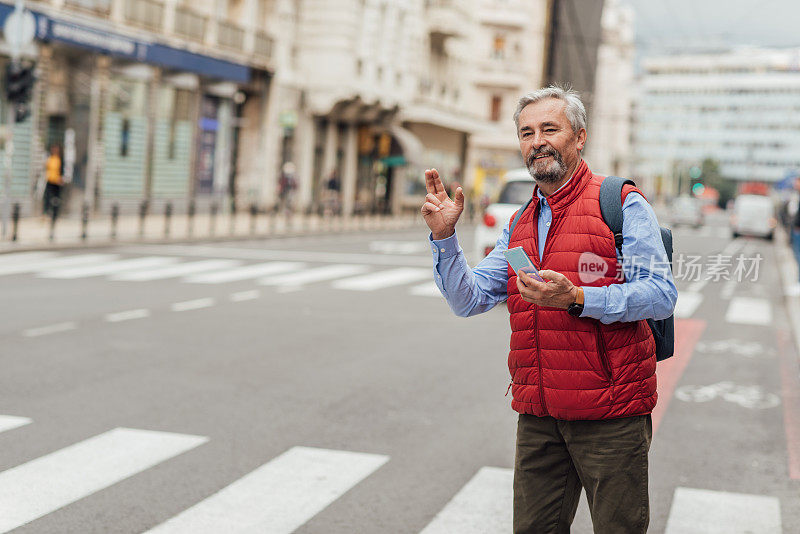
753, 215
516, 191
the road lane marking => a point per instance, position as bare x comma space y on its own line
242, 296
733, 247
698, 286
244, 273
284, 255
51, 329
130, 315
21, 257
279, 496
383, 279
9, 422
427, 289
172, 271
55, 263
318, 274
748, 310
196, 304
43, 485
698, 511
727, 289
111, 267
483, 506
687, 304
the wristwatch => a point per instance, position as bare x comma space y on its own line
576, 308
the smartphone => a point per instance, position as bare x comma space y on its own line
520, 261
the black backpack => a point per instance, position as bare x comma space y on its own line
611, 208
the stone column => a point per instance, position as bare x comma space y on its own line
304, 148
349, 170
95, 145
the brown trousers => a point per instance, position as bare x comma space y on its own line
608, 458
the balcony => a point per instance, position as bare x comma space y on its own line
446, 18
190, 24
95, 7
500, 73
148, 14
509, 14
230, 35
263, 44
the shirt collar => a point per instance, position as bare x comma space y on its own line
543, 198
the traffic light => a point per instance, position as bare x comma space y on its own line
20, 78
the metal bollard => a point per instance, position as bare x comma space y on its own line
142, 214
14, 221
190, 215
213, 220
167, 218
232, 227
253, 217
114, 219
84, 221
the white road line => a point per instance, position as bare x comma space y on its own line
8, 422
427, 289
733, 247
242, 296
111, 267
383, 279
697, 511
244, 273
22, 257
193, 304
279, 496
118, 317
687, 304
728, 289
48, 264
46, 484
483, 506
181, 269
749, 310
318, 274
698, 286
51, 329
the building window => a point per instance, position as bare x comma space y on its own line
497, 102
499, 49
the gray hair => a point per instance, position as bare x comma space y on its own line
575, 111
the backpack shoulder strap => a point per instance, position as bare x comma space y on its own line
520, 211
611, 205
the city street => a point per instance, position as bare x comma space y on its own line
321, 385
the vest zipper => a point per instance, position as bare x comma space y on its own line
509, 387
539, 356
601, 353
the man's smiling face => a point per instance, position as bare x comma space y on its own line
550, 147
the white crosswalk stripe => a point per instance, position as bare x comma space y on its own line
46, 484
111, 267
428, 289
483, 506
46, 264
698, 511
9, 422
687, 304
244, 273
383, 279
173, 271
22, 257
749, 310
318, 274
279, 496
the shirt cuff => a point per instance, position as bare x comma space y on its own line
594, 302
444, 248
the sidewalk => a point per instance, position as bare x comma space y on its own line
787, 270
33, 233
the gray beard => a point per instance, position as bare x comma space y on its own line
555, 171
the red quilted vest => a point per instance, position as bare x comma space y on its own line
568, 367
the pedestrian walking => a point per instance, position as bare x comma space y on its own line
582, 357
286, 187
54, 181
794, 290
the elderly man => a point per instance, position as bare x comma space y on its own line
582, 357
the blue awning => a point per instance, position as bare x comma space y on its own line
51, 29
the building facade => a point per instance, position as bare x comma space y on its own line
738, 108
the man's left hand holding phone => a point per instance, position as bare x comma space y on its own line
520, 261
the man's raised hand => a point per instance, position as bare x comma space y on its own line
440, 213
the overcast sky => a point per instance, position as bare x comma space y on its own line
663, 25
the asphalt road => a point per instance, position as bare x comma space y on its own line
337, 392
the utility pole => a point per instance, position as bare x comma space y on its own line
19, 30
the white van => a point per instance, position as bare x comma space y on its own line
753, 215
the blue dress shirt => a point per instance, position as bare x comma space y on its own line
649, 290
